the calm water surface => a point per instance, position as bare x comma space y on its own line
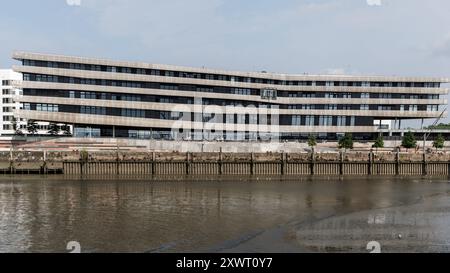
42, 214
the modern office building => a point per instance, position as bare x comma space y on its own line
104, 98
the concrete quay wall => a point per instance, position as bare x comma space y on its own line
204, 164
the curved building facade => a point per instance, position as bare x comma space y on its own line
103, 98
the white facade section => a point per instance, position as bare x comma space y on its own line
10, 96
9, 80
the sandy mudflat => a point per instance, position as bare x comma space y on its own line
422, 226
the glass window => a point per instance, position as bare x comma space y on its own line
413, 108
309, 120
296, 120
325, 120
341, 121
433, 108
269, 94
164, 115
347, 96
240, 119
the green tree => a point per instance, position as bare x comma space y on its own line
15, 126
442, 126
14, 123
84, 155
312, 142
346, 142
53, 129
379, 143
409, 141
32, 127
439, 142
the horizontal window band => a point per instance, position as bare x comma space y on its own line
71, 118
89, 75
221, 109
52, 59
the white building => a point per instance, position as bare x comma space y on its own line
10, 82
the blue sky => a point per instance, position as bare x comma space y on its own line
375, 37
398, 37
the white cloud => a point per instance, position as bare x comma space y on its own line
73, 2
374, 2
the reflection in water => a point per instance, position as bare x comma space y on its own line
418, 227
128, 215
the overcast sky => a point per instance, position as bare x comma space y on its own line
374, 37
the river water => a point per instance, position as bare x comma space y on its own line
320, 214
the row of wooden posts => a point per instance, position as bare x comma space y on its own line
283, 166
